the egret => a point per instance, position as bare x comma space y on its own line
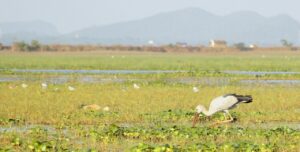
135, 86
44, 85
222, 104
71, 88
195, 89
24, 85
106, 108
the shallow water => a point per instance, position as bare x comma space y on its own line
207, 81
10, 79
96, 79
85, 76
220, 81
51, 129
260, 72
62, 79
26, 128
66, 71
285, 82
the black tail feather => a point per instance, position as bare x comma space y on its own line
241, 98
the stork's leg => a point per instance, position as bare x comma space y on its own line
225, 116
230, 117
226, 112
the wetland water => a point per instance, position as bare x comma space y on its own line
259, 73
210, 81
94, 76
66, 71
283, 82
52, 129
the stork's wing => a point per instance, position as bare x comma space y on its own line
223, 103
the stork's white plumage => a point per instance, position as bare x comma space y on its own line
222, 104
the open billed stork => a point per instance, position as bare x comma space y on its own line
222, 104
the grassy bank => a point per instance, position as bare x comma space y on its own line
259, 61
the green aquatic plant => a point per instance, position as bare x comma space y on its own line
11, 121
202, 147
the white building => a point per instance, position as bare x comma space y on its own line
253, 46
217, 44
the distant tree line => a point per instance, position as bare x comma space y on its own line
35, 45
242, 46
22, 46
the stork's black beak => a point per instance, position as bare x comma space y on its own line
195, 119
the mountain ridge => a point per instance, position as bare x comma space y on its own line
190, 25
194, 26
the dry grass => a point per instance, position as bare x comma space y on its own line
35, 105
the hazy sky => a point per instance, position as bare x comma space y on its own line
70, 15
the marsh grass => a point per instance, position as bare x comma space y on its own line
50, 106
155, 117
259, 61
